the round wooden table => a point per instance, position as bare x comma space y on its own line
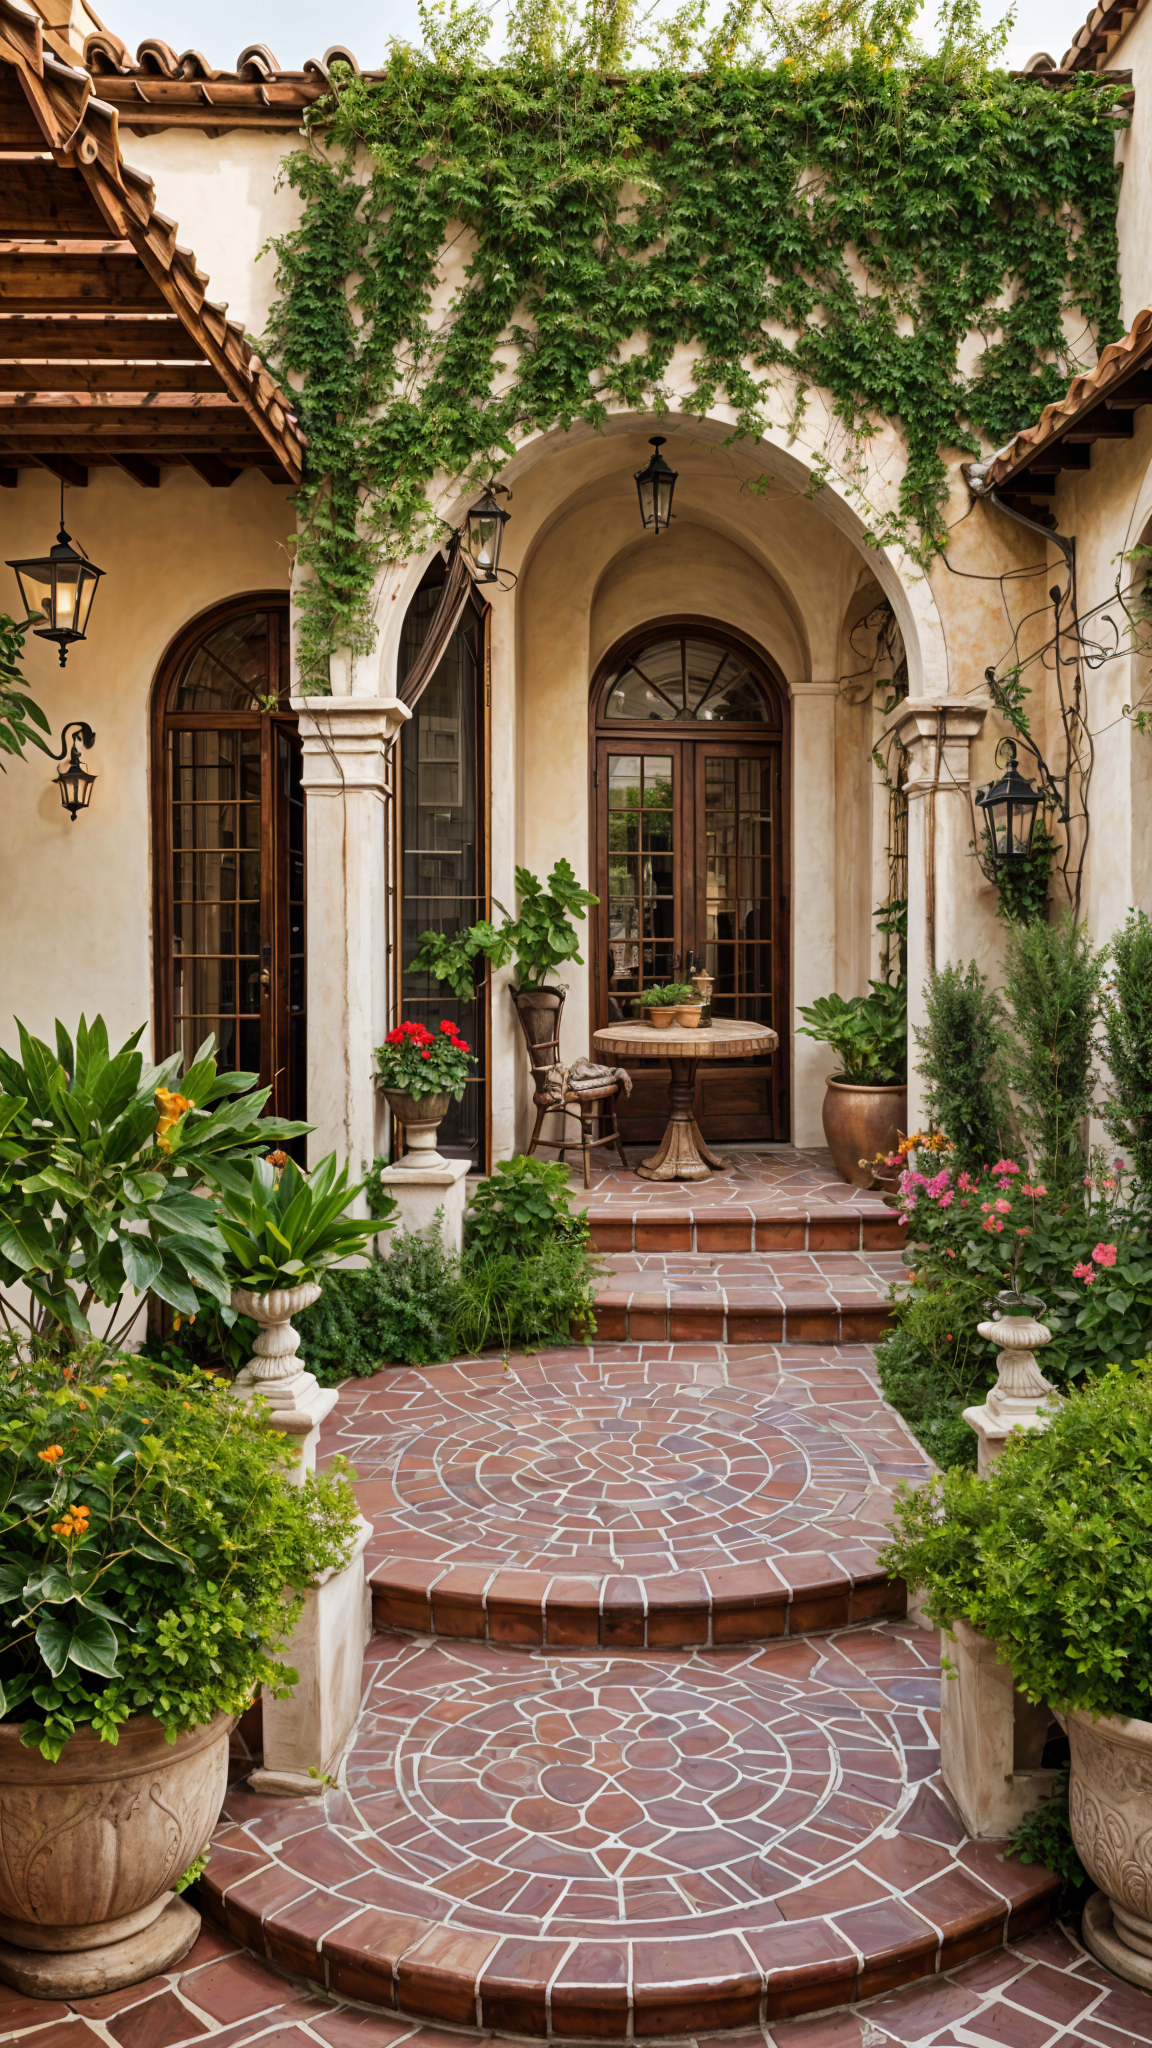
683, 1155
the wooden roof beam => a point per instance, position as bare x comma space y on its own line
139, 469
66, 468
37, 198
64, 279
213, 470
62, 377
80, 338
106, 422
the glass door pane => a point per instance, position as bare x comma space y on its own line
642, 838
216, 888
738, 906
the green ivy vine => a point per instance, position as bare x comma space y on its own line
850, 224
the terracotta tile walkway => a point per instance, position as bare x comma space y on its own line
747, 1297
624, 1495
768, 1177
1041, 1992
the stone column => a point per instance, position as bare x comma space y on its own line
813, 893
942, 873
347, 780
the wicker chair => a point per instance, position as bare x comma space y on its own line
598, 1105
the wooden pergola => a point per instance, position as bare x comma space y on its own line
111, 353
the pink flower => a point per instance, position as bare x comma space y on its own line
1087, 1180
1004, 1166
1028, 1189
946, 1199
948, 1252
992, 1223
1108, 1183
1083, 1272
985, 1206
1118, 1166
1104, 1254
967, 1183
1004, 1208
963, 1201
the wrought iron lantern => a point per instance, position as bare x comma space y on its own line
1009, 808
60, 586
74, 782
484, 533
654, 487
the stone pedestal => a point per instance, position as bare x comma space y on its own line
1022, 1398
299, 1404
308, 1731
421, 1191
991, 1739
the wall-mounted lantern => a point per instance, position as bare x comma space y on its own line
484, 532
654, 487
1009, 808
74, 782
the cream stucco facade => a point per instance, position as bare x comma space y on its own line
769, 542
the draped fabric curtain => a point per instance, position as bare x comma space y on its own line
454, 593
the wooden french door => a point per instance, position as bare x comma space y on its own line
230, 914
689, 862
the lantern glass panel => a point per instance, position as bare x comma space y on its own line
484, 541
35, 580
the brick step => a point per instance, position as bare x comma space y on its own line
624, 1848
758, 1224
746, 1298
615, 1497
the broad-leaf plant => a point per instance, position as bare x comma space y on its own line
108, 1170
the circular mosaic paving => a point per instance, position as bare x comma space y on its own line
576, 1794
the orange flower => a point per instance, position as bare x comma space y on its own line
172, 1108
52, 1455
276, 1159
73, 1523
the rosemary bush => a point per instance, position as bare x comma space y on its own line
1052, 980
961, 1058
1127, 1014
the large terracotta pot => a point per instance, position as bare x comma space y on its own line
1110, 1805
90, 1847
860, 1121
421, 1116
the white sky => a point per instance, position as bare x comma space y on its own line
297, 29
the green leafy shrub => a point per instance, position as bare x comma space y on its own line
1127, 1014
1022, 884
283, 1228
961, 1054
20, 714
104, 1172
667, 995
868, 1034
1045, 1836
522, 1206
934, 1365
396, 1311
524, 1303
1050, 1556
1052, 978
540, 939
147, 1531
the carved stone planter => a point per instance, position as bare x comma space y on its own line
421, 1116
991, 1739
1022, 1398
298, 1403
1110, 1803
90, 1847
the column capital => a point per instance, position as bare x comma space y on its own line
346, 741
938, 731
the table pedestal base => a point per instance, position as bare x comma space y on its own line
683, 1155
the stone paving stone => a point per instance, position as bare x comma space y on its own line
512, 1503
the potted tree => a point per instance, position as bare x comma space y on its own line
866, 1104
542, 938
148, 1530
1048, 1558
419, 1072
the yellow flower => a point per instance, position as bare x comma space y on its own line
171, 1107
52, 1455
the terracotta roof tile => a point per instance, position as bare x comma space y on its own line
1117, 362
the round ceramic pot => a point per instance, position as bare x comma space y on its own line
689, 1015
90, 1847
860, 1121
1110, 1807
421, 1116
274, 1352
661, 1019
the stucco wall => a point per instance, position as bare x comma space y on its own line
223, 193
77, 897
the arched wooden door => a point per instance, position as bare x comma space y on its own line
689, 794
228, 820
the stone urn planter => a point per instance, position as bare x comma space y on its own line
1110, 1805
861, 1120
91, 1847
299, 1404
421, 1116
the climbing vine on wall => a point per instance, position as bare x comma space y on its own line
850, 225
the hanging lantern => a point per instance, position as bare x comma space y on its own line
655, 486
60, 586
484, 532
1009, 808
74, 781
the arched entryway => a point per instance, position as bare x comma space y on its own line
689, 796
228, 832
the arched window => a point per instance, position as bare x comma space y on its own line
228, 817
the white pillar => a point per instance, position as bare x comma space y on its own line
813, 935
942, 874
347, 778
